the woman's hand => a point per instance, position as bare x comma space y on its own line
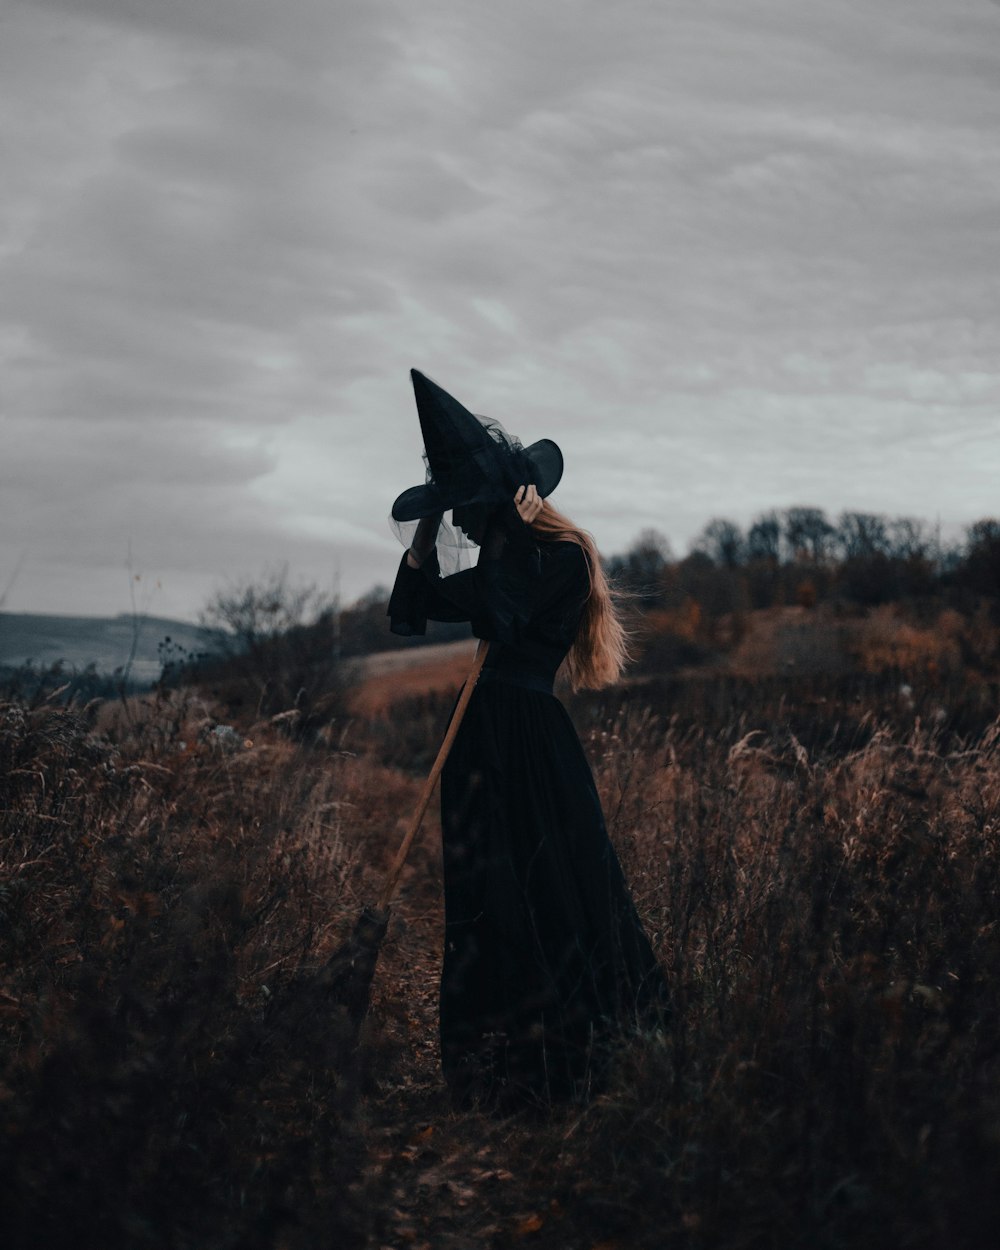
528, 503
424, 540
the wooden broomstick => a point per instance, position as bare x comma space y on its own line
347, 974
392, 877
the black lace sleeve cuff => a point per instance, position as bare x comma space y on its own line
407, 610
499, 596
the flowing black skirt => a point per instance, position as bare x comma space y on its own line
545, 959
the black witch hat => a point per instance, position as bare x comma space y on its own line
470, 459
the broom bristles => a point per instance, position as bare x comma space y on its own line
347, 974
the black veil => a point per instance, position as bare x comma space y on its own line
457, 549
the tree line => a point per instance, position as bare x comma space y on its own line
791, 556
280, 644
799, 556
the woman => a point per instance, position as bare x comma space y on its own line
545, 959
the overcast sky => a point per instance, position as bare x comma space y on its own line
730, 254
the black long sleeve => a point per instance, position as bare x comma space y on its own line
499, 596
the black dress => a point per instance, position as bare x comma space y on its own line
545, 958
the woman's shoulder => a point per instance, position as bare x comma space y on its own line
565, 558
562, 549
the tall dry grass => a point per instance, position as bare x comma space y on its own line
829, 919
817, 864
170, 1073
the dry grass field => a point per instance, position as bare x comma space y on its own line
816, 860
389, 676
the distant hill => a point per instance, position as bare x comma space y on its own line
104, 641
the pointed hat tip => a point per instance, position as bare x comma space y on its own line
421, 382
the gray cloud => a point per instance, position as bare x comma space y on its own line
731, 256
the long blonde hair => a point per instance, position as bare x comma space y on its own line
601, 648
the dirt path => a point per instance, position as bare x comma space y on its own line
443, 1179
391, 675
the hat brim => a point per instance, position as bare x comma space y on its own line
417, 502
547, 461
420, 501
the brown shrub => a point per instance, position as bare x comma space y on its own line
162, 909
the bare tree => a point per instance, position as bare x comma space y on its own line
275, 650
251, 613
764, 538
642, 567
808, 533
723, 542
861, 535
908, 539
982, 556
